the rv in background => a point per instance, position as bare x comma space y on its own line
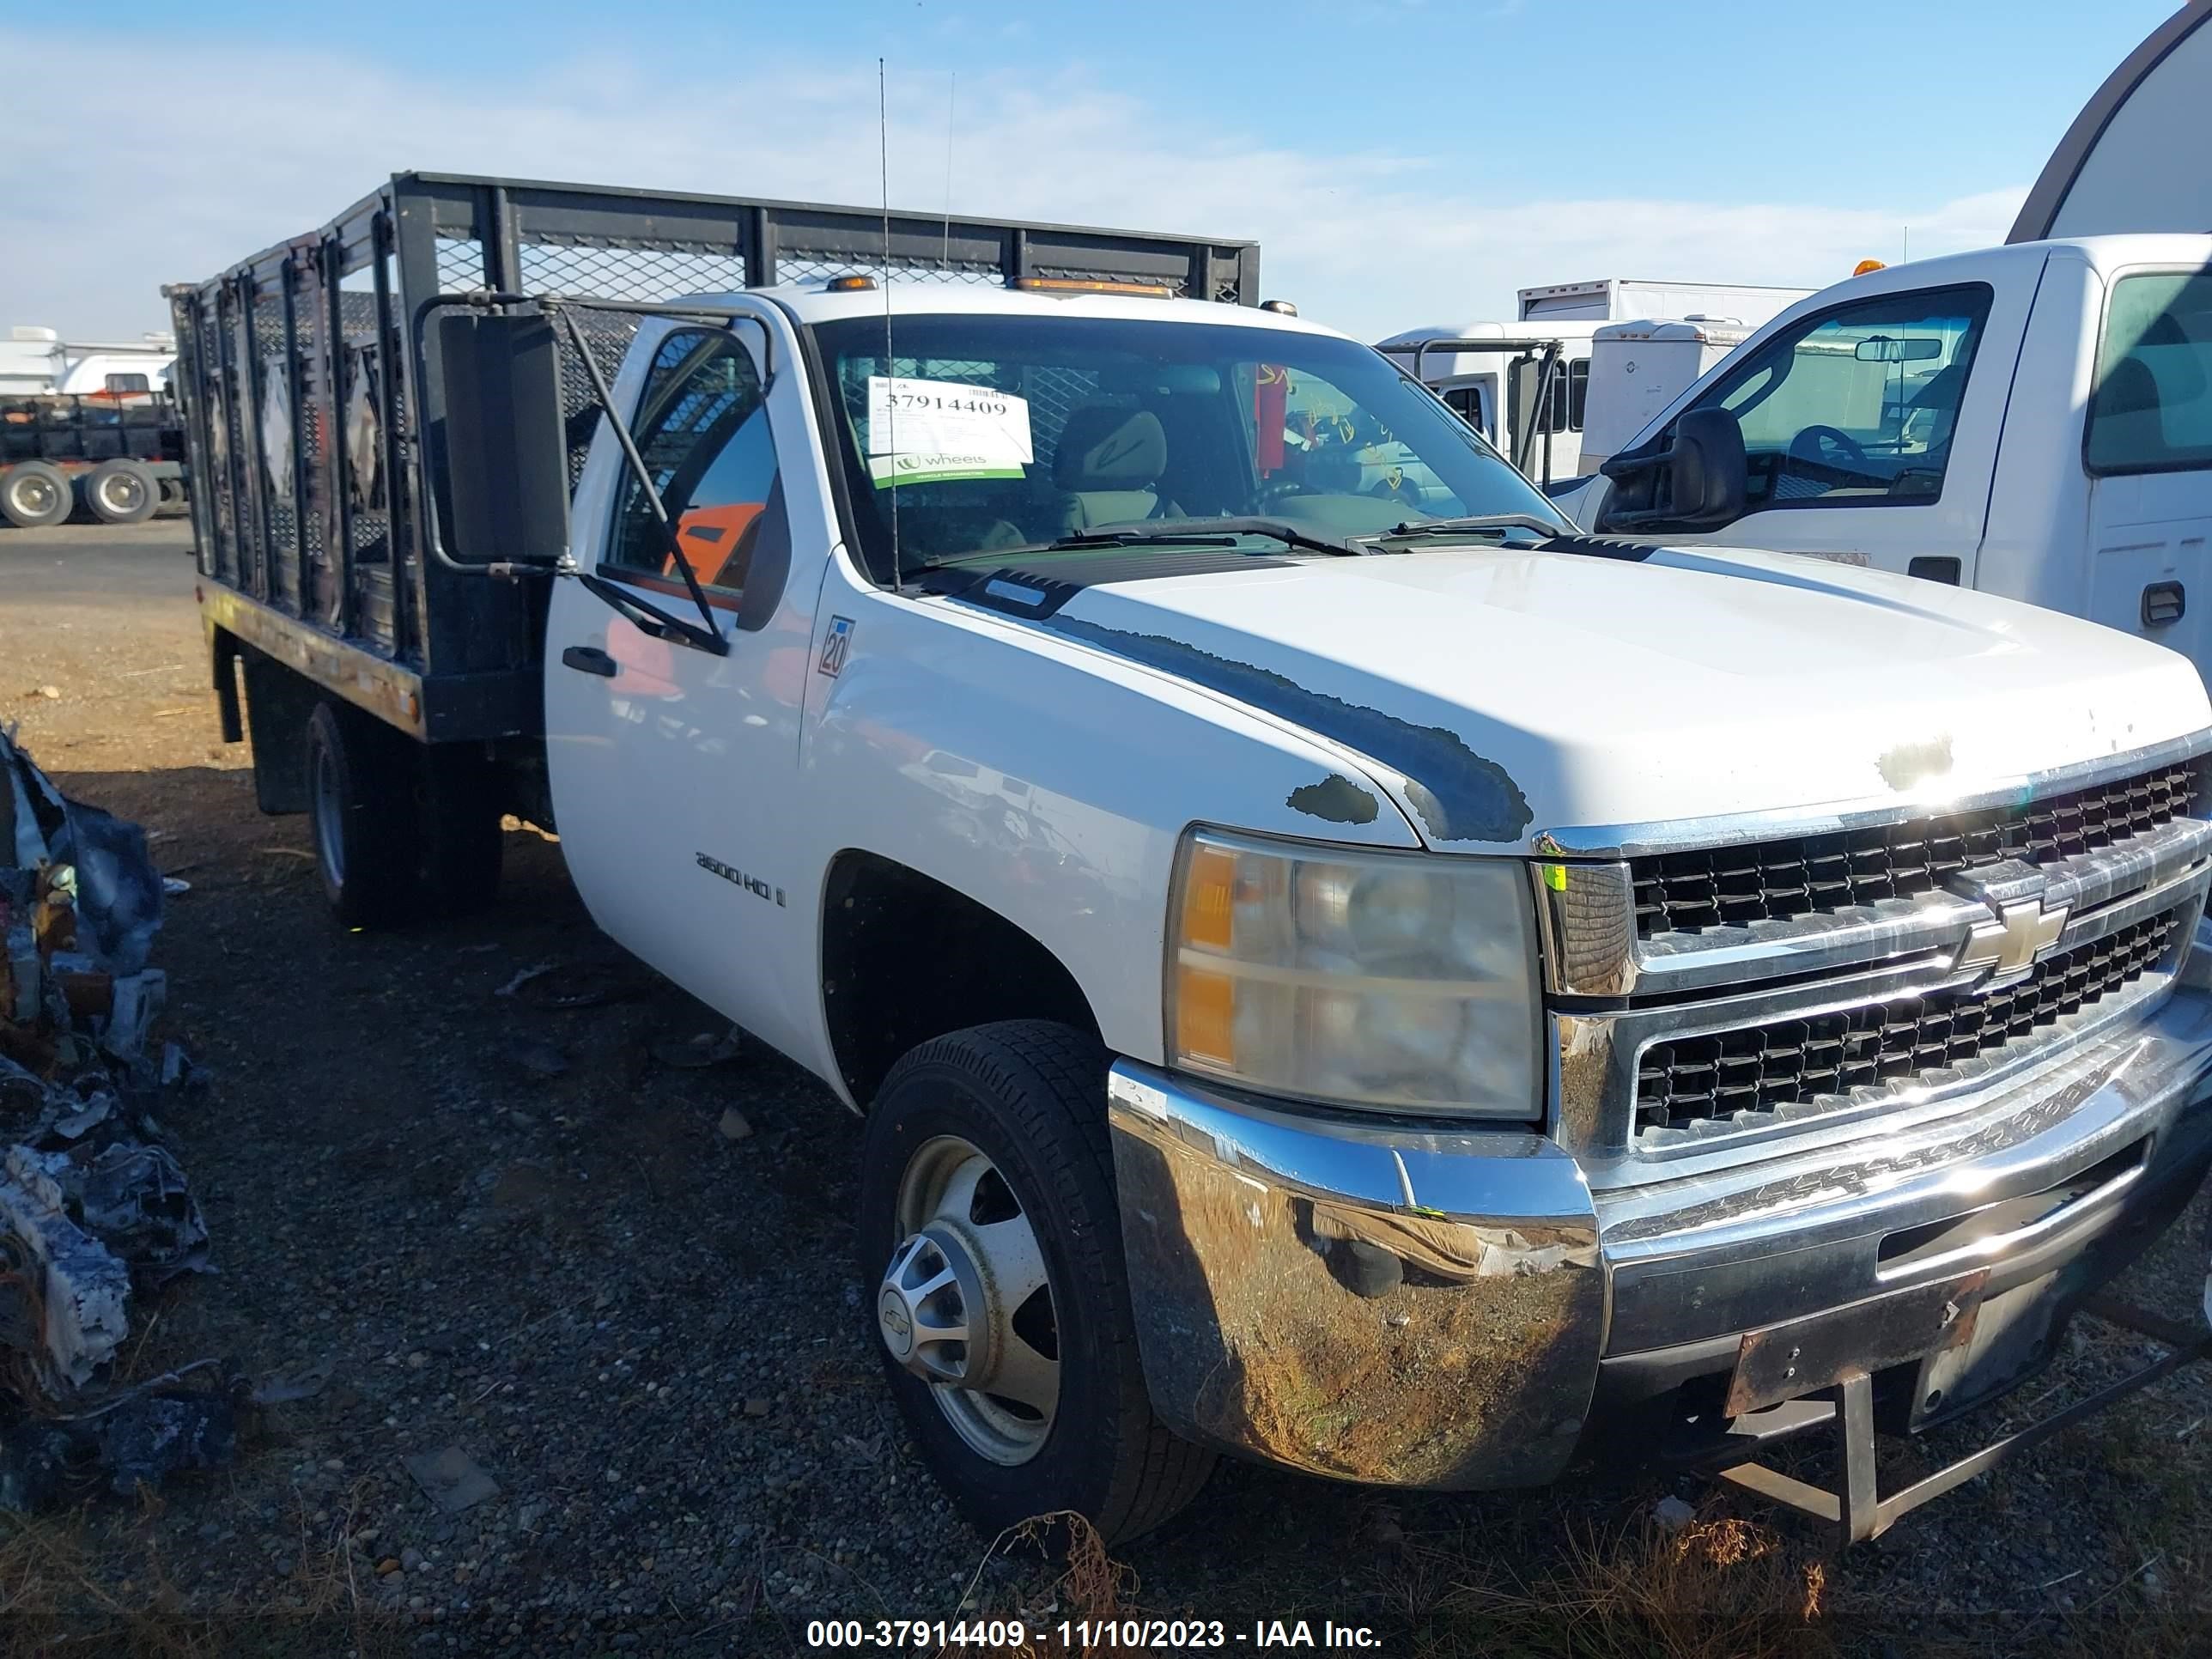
1524, 384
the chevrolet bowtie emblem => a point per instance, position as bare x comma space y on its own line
2009, 944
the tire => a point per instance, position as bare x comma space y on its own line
362, 816
1028, 1097
121, 492
33, 495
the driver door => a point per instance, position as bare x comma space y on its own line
672, 768
1870, 429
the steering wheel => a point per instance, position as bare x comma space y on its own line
1810, 444
1275, 489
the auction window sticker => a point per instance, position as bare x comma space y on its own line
931, 431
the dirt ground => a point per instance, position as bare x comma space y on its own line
517, 1231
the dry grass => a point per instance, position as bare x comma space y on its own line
63, 1590
1090, 1585
1723, 1588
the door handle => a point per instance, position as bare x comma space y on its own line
590, 660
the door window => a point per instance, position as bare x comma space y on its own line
1466, 401
702, 430
2152, 410
1569, 395
1856, 407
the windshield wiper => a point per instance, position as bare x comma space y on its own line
1547, 527
1205, 532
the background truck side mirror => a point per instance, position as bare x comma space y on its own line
1696, 477
502, 472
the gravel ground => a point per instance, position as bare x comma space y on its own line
519, 1231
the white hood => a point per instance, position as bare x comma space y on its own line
1501, 694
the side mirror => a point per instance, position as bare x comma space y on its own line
1696, 477
1710, 477
503, 455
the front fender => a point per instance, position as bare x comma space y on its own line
1053, 783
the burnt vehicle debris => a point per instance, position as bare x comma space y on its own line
94, 1208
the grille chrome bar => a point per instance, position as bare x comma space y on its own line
1688, 1088
1593, 949
1778, 880
1605, 1054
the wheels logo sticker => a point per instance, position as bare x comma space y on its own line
834, 648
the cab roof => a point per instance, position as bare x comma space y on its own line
811, 303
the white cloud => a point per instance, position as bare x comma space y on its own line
257, 144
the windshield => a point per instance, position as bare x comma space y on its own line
999, 432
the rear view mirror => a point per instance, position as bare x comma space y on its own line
503, 453
1884, 349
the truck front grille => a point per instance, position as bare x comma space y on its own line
1805, 875
1735, 1077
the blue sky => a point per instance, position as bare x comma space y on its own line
1401, 164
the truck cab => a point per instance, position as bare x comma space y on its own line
2033, 421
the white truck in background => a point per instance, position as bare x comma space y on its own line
2034, 420
1524, 384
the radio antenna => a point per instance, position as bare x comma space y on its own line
951, 104
891, 368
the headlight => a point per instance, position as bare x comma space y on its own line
1394, 980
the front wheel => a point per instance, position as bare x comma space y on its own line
1003, 1313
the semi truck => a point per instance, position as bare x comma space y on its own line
1406, 994
87, 425
118, 455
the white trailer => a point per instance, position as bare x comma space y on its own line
1636, 369
1524, 384
1615, 299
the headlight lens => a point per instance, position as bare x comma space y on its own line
1393, 981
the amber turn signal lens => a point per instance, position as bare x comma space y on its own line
1209, 919
1205, 1015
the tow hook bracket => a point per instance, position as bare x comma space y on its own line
1857, 1510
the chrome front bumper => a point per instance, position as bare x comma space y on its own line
1453, 1309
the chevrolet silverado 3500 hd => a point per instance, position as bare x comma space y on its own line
1389, 989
